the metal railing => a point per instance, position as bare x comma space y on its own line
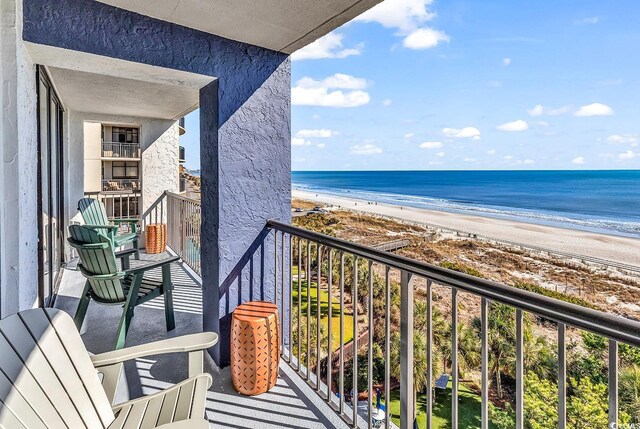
120, 185
119, 206
120, 150
303, 258
183, 231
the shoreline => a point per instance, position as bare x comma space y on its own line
613, 248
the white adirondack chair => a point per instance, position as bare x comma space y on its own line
48, 380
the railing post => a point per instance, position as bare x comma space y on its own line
429, 353
407, 410
519, 369
484, 357
613, 383
562, 377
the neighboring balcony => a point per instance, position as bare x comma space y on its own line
119, 205
121, 185
113, 150
182, 155
181, 128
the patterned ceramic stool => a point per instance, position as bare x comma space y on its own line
156, 238
255, 343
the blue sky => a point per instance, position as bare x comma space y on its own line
492, 84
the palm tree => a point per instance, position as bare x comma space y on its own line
419, 361
468, 348
501, 341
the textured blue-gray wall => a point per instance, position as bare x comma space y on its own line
245, 135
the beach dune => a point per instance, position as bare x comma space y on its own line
623, 250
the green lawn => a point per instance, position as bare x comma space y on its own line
324, 311
468, 411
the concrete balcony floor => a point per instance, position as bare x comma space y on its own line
290, 404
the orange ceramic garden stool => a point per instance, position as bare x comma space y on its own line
156, 238
255, 341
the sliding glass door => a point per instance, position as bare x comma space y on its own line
50, 188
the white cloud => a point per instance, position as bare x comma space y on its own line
403, 15
627, 155
365, 149
322, 133
578, 160
591, 20
440, 154
321, 145
632, 139
508, 157
338, 80
431, 145
494, 84
387, 102
506, 61
539, 110
594, 109
528, 161
408, 18
491, 152
408, 135
468, 159
327, 92
300, 142
424, 38
515, 126
329, 46
466, 132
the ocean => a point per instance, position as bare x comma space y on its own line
597, 201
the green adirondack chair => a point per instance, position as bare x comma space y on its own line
110, 285
95, 217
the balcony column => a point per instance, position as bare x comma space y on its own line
246, 180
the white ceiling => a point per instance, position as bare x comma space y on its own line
110, 95
281, 25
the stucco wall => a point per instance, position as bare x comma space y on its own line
159, 161
245, 134
18, 172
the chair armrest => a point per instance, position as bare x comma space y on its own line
186, 424
129, 220
152, 265
109, 227
125, 253
185, 343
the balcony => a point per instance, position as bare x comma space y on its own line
181, 128
317, 384
114, 150
182, 158
121, 185
119, 205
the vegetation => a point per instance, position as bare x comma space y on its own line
587, 354
324, 312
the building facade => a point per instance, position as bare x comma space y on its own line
92, 92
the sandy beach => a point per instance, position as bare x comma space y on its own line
619, 249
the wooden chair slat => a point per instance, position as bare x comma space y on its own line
72, 378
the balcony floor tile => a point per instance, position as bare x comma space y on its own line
290, 404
